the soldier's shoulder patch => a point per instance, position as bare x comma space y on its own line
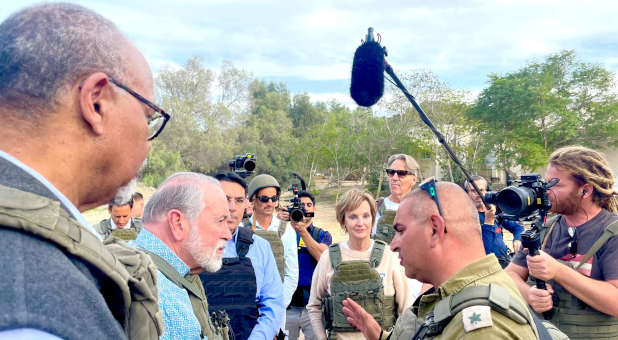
475, 317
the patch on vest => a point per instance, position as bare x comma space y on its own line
475, 317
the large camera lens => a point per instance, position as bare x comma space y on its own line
518, 201
249, 165
296, 215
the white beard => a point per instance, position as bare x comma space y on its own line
206, 258
126, 191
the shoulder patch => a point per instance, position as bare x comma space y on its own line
475, 317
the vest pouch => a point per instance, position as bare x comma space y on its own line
327, 311
358, 281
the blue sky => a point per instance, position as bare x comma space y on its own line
309, 45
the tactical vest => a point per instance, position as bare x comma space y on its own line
572, 315
233, 288
496, 297
127, 234
359, 281
274, 238
129, 274
215, 326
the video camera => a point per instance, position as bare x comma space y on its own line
243, 165
295, 209
523, 200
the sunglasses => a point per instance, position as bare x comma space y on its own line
573, 243
430, 188
400, 173
265, 199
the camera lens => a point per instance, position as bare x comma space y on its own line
518, 201
296, 215
249, 165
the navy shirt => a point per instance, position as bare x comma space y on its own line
492, 235
306, 266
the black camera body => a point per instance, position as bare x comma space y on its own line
243, 165
523, 200
295, 209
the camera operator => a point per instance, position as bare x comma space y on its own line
490, 227
578, 257
312, 242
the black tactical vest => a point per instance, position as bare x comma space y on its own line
233, 288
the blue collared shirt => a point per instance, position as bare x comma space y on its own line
290, 275
492, 235
178, 318
269, 295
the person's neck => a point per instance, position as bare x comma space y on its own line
359, 244
263, 221
453, 264
395, 198
582, 215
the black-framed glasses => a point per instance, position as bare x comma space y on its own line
400, 173
156, 121
573, 242
265, 199
430, 188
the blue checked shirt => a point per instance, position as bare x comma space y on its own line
178, 318
269, 295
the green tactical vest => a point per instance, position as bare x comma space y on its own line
274, 238
573, 316
384, 228
127, 234
215, 326
132, 272
359, 281
493, 295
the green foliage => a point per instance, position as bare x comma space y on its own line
531, 112
161, 164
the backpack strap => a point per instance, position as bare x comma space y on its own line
334, 252
608, 233
173, 275
495, 296
282, 226
380, 205
548, 228
376, 253
316, 234
243, 241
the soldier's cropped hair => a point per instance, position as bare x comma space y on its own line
351, 200
46, 48
118, 203
182, 191
589, 166
411, 163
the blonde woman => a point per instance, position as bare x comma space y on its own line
359, 268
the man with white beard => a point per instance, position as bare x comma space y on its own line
185, 232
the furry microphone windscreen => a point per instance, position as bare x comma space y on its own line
367, 86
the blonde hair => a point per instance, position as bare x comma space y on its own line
588, 166
351, 200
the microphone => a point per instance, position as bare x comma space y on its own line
367, 86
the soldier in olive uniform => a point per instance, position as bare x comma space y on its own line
120, 223
439, 242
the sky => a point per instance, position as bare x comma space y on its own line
309, 45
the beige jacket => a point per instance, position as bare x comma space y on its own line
393, 279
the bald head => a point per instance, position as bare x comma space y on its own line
458, 211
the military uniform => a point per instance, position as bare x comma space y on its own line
104, 228
475, 321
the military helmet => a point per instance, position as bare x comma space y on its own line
260, 182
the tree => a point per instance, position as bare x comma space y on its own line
527, 114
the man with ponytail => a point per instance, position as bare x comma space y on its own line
579, 257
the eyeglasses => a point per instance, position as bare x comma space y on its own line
265, 199
430, 188
400, 173
156, 121
573, 243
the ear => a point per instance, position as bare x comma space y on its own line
94, 100
587, 190
437, 226
178, 224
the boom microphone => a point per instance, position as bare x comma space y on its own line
367, 86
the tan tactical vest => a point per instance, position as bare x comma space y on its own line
572, 315
274, 238
129, 269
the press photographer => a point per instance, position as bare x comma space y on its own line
579, 256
